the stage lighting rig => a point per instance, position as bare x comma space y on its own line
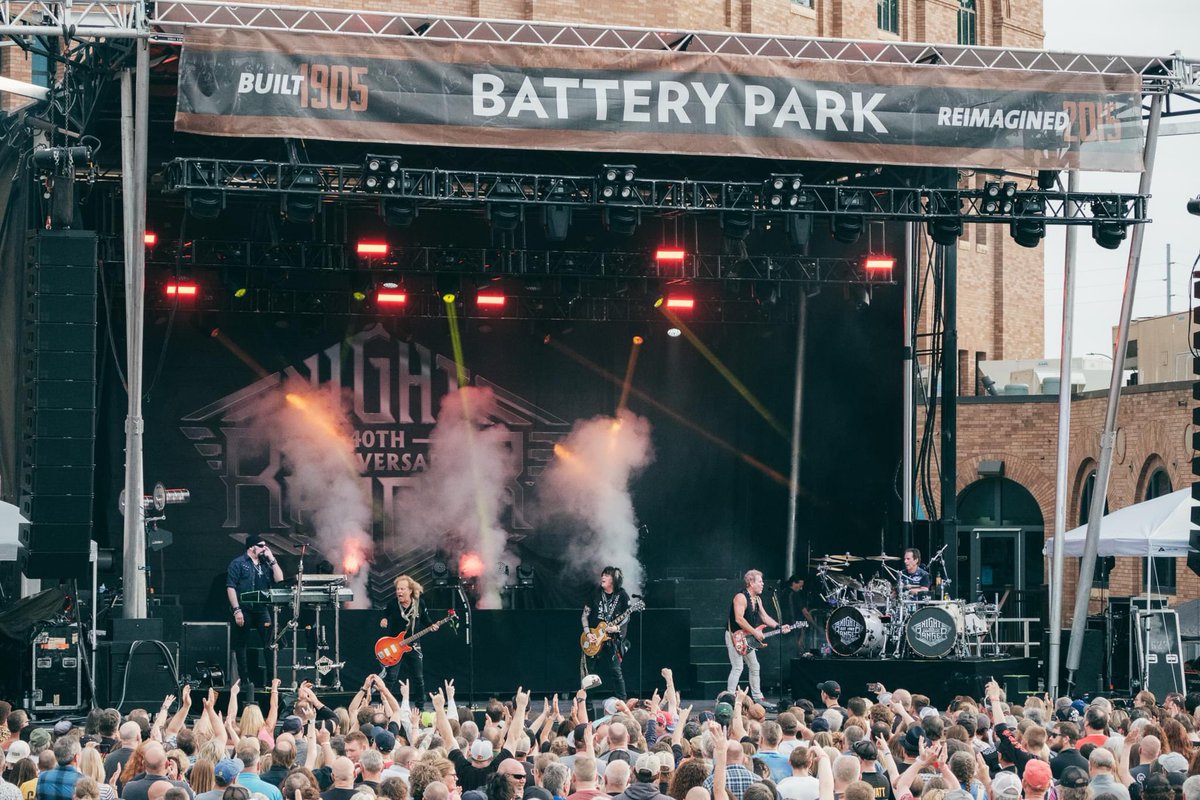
944, 229
999, 198
1047, 179
847, 227
381, 173
615, 184
1108, 227
62, 161
781, 192
1029, 227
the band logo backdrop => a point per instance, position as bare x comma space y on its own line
245, 83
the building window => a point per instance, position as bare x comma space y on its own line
805, 3
967, 22
888, 12
1162, 570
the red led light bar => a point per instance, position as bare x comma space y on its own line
372, 248
879, 263
151, 238
664, 254
181, 290
490, 299
681, 303
392, 298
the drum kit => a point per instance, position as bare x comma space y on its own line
875, 618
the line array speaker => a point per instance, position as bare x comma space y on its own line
58, 377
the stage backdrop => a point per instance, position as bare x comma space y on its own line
710, 504
414, 91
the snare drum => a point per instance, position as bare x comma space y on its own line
856, 631
975, 620
933, 629
879, 593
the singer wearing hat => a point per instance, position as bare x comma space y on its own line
255, 569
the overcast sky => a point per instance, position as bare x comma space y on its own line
1146, 27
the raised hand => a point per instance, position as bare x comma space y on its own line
403, 690
450, 691
438, 699
237, 687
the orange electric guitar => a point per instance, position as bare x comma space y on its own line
744, 643
390, 649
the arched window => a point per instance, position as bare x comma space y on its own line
967, 22
1162, 570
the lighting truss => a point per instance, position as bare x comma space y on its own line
471, 187
337, 257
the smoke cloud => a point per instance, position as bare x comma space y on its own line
588, 483
457, 503
310, 430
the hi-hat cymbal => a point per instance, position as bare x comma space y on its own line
828, 560
883, 557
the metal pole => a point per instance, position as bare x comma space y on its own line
797, 409
134, 561
949, 517
907, 355
1096, 511
1168, 277
1064, 446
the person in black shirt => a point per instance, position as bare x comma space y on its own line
748, 616
797, 604
254, 570
609, 601
914, 580
404, 616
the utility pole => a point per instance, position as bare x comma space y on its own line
1169, 263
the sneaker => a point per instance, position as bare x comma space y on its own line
766, 704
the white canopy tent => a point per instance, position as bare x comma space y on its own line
10, 523
1159, 528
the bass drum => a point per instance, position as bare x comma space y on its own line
932, 630
855, 631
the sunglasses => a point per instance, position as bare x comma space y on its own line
516, 776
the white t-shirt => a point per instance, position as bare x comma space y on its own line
800, 787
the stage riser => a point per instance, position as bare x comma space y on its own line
939, 679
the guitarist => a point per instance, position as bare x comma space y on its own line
748, 615
609, 602
404, 616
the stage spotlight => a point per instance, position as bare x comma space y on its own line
204, 204
1193, 205
1029, 227
556, 220
846, 228
945, 230
381, 173
300, 207
782, 192
621, 221
861, 295
1107, 229
525, 575
615, 184
998, 198
736, 225
1047, 179
440, 573
390, 294
674, 333
236, 281
506, 217
398, 213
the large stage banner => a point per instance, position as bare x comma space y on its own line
248, 83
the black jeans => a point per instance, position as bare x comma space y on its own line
607, 665
256, 620
412, 669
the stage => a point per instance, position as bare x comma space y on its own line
939, 679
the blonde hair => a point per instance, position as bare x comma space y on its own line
413, 586
91, 764
252, 721
751, 575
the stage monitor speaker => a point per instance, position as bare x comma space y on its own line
207, 644
142, 678
58, 403
171, 615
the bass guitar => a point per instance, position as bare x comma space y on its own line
591, 639
390, 649
743, 643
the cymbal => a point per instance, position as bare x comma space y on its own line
883, 557
848, 558
828, 560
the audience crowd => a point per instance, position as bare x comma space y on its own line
886, 746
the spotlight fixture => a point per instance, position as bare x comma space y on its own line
847, 227
556, 220
301, 206
621, 221
398, 213
736, 225
1047, 179
1193, 205
1029, 226
1107, 228
440, 573
390, 293
615, 184
506, 217
998, 198
945, 229
381, 173
781, 192
674, 333
525, 575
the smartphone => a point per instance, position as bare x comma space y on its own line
872, 687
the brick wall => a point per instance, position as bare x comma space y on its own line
1153, 429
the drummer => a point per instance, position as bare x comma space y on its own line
915, 581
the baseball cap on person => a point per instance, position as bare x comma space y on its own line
385, 741
610, 706
227, 769
646, 766
292, 724
819, 725
62, 728
1037, 774
1173, 762
831, 688
481, 750
723, 714
39, 739
1074, 778
17, 751
667, 720
1006, 785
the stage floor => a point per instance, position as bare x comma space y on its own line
940, 679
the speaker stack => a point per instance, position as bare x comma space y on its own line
58, 373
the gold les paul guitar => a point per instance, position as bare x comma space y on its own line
591, 640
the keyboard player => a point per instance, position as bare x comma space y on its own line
255, 570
